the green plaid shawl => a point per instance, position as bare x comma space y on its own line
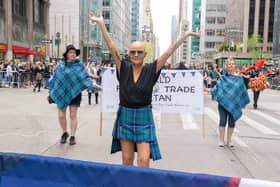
136, 125
68, 81
231, 93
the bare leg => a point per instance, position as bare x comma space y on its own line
73, 119
143, 158
62, 119
229, 134
222, 133
127, 152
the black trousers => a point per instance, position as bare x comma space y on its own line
256, 97
89, 97
38, 84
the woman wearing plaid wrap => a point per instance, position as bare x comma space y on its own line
70, 78
134, 128
231, 94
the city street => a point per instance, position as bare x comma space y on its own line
28, 124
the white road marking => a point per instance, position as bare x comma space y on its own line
188, 122
256, 125
267, 117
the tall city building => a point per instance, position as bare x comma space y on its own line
234, 21
71, 26
213, 24
147, 22
64, 26
147, 34
156, 46
276, 34
135, 12
117, 16
89, 34
23, 27
174, 25
183, 26
196, 17
259, 19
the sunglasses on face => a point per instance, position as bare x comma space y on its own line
134, 52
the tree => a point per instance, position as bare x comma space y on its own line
223, 47
253, 45
238, 47
150, 53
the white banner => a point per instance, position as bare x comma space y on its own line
257, 183
175, 91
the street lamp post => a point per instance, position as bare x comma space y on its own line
57, 43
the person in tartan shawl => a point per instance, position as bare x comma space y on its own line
70, 78
134, 128
231, 95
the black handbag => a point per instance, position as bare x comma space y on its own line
49, 99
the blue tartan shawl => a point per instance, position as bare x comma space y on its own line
68, 81
231, 93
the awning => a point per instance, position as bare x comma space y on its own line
3, 47
22, 50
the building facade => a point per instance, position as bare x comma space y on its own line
147, 30
63, 26
183, 51
135, 13
90, 37
234, 21
196, 18
276, 34
23, 26
259, 19
213, 24
117, 16
147, 22
174, 25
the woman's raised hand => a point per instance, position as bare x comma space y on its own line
95, 19
194, 34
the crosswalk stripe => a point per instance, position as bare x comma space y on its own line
261, 128
268, 117
188, 122
215, 118
239, 141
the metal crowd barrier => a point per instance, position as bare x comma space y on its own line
275, 83
10, 79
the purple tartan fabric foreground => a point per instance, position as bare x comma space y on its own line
33, 171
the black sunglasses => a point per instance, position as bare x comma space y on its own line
134, 52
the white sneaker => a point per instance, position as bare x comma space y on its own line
230, 144
221, 143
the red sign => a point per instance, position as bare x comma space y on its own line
3, 48
22, 50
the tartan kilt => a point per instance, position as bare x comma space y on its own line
136, 125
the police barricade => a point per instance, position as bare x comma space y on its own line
10, 79
275, 83
34, 170
25, 79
